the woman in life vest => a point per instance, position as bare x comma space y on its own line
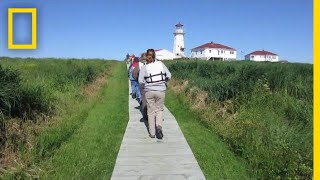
154, 76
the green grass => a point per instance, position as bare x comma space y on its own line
262, 111
40, 90
265, 134
91, 152
38, 86
212, 154
56, 107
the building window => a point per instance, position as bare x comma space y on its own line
201, 51
196, 52
231, 52
210, 51
252, 57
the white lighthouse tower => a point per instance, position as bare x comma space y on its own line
178, 45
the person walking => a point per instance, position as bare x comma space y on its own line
154, 76
134, 82
136, 72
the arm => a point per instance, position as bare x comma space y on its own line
141, 75
129, 70
168, 74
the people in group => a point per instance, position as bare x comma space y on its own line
127, 58
135, 94
136, 72
154, 75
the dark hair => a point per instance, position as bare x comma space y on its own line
136, 59
154, 53
143, 55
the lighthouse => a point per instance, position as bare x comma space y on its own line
178, 45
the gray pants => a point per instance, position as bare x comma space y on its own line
143, 107
155, 103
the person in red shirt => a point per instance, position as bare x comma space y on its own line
134, 82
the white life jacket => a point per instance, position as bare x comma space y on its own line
155, 72
141, 64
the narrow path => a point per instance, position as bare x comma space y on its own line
141, 157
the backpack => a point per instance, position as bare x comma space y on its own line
135, 73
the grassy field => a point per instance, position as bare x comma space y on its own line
212, 154
44, 103
64, 119
263, 111
92, 150
31, 87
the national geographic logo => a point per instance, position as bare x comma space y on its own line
33, 44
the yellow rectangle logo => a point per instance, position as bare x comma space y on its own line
33, 44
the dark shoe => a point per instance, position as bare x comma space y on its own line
159, 132
151, 136
143, 120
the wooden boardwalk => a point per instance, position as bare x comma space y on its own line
141, 157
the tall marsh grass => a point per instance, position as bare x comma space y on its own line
264, 111
34, 90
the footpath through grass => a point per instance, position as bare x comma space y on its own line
91, 152
212, 154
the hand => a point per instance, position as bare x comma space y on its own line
150, 59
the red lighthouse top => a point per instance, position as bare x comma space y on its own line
179, 25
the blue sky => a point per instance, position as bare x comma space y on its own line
110, 29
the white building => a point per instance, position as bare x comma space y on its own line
178, 44
214, 51
163, 54
262, 56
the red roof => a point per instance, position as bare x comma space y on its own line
213, 45
179, 25
263, 52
